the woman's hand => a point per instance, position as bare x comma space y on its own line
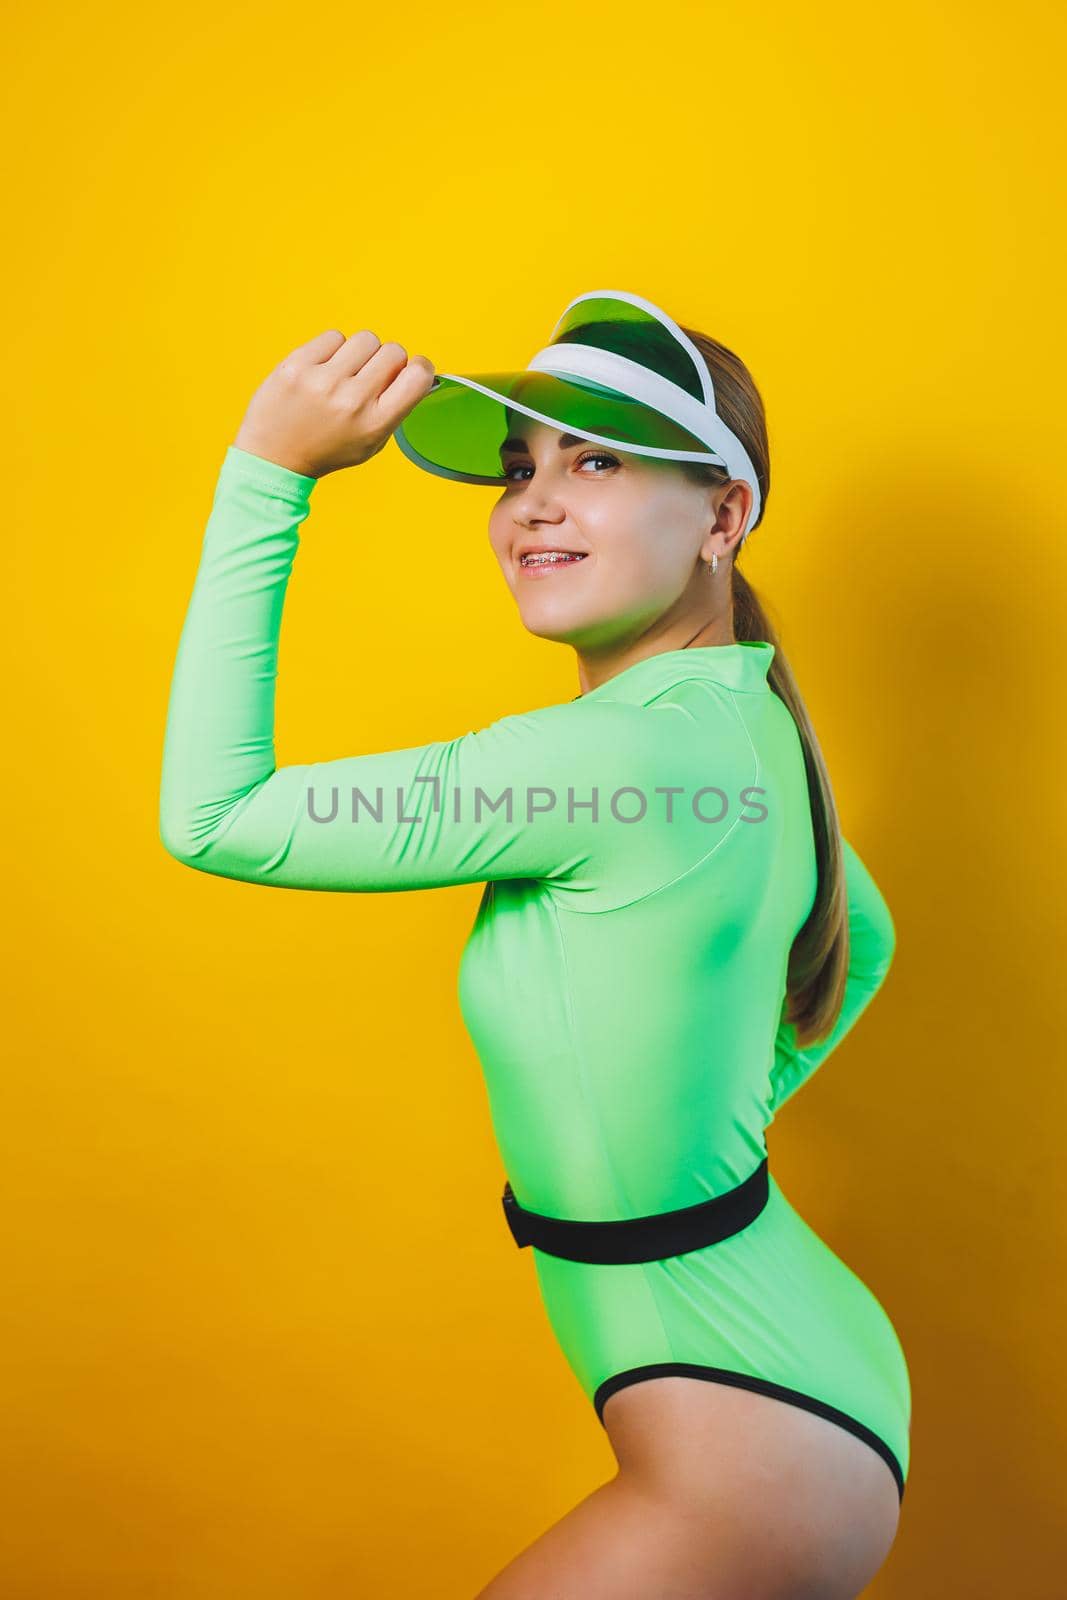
333, 402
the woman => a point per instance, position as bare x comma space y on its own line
672, 936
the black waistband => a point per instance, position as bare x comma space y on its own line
665, 1233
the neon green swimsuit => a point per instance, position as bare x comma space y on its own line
624, 979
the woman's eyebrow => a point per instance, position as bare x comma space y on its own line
517, 444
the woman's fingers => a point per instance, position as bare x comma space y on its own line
319, 349
387, 379
353, 353
378, 368
333, 402
406, 390
383, 374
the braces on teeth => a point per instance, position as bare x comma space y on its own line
552, 558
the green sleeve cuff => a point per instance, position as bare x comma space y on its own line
269, 475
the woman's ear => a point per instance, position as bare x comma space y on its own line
734, 509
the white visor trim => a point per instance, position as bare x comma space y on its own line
650, 389
699, 364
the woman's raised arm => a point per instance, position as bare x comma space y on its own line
492, 803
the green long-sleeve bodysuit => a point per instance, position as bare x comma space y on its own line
624, 979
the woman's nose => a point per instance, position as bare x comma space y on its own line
538, 504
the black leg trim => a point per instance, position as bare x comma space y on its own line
744, 1380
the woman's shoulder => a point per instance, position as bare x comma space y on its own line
674, 739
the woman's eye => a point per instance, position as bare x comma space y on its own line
590, 455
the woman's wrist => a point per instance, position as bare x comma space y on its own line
270, 473
265, 451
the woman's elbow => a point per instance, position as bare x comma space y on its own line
178, 844
180, 840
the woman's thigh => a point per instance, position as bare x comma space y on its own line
800, 1505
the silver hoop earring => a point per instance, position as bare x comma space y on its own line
713, 566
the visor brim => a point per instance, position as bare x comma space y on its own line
458, 427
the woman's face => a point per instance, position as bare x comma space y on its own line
640, 525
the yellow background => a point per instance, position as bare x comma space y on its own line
265, 1332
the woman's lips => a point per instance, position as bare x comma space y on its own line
541, 569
